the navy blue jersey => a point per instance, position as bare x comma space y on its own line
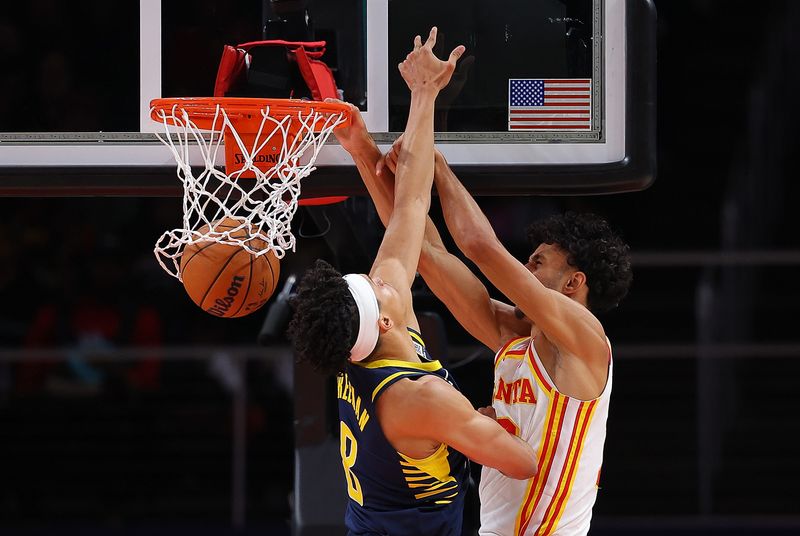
390, 493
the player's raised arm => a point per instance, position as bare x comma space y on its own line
450, 279
566, 323
398, 255
490, 321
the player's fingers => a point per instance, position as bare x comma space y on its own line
398, 143
488, 411
352, 107
380, 165
431, 38
391, 160
393, 154
417, 42
456, 53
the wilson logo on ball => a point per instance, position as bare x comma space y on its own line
221, 305
225, 279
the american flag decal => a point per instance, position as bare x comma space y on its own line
556, 104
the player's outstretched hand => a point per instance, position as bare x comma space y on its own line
422, 70
355, 137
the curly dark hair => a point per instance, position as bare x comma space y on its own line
593, 248
324, 326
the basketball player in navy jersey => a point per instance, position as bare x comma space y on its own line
405, 429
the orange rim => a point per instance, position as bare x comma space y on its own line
244, 113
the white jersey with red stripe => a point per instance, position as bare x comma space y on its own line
568, 436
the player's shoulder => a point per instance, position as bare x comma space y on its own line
432, 385
424, 389
413, 406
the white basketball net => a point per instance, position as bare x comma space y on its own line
263, 206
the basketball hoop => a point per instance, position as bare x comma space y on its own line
264, 141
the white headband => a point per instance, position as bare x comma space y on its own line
368, 317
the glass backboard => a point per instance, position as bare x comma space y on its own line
553, 97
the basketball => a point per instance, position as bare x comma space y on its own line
227, 280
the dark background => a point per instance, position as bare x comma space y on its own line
119, 399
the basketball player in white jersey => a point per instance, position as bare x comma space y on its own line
553, 368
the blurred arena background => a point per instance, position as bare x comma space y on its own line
126, 409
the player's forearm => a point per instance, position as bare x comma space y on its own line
380, 188
459, 290
415, 164
491, 445
433, 266
434, 261
381, 191
466, 222
412, 193
522, 462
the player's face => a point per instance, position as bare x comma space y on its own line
549, 264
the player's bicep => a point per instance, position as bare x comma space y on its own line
451, 419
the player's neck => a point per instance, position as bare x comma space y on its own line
398, 348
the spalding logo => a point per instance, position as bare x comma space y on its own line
257, 159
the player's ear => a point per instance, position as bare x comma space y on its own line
385, 323
575, 282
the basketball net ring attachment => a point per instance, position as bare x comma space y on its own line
264, 141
